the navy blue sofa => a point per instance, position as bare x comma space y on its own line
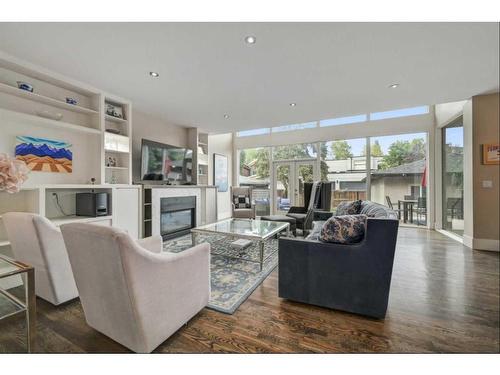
354, 277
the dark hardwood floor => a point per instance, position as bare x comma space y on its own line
444, 298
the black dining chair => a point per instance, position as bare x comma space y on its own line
455, 207
391, 206
422, 210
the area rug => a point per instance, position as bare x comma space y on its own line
232, 279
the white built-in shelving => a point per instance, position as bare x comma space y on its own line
47, 107
117, 143
11, 90
198, 142
94, 133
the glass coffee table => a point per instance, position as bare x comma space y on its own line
10, 304
258, 231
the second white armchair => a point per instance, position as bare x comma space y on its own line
39, 243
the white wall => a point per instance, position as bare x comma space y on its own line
86, 148
149, 127
447, 112
221, 144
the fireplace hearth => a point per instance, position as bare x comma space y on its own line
177, 216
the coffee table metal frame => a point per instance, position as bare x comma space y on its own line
29, 305
260, 239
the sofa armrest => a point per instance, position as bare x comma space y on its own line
153, 243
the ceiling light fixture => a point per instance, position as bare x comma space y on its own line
250, 39
293, 104
154, 74
226, 116
394, 85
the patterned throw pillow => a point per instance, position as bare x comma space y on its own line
241, 201
349, 208
345, 229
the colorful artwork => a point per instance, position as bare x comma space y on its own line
44, 155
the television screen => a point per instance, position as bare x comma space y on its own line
162, 162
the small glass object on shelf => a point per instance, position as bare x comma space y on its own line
11, 304
71, 101
113, 180
25, 86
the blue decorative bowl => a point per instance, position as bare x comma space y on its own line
71, 101
24, 86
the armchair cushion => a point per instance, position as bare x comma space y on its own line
299, 218
344, 229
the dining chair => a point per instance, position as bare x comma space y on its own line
391, 206
422, 210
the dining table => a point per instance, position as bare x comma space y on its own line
407, 209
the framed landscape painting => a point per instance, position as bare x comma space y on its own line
44, 155
220, 172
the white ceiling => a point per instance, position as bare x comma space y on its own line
206, 69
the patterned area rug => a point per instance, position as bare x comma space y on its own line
233, 278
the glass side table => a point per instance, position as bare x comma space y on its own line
11, 305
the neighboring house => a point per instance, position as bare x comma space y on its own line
396, 182
245, 170
350, 174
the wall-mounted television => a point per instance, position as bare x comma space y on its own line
162, 162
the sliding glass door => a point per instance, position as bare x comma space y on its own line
453, 177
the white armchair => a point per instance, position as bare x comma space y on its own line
132, 292
39, 243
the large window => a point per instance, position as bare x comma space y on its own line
343, 120
399, 175
254, 171
404, 112
413, 111
252, 132
344, 164
297, 151
286, 128
453, 177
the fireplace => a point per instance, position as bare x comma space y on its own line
177, 216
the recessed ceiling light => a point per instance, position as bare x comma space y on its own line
250, 39
293, 104
154, 74
394, 85
226, 116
